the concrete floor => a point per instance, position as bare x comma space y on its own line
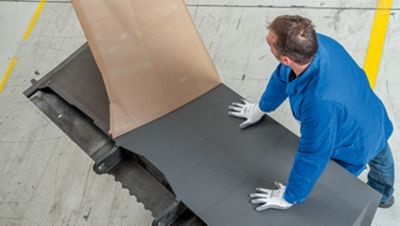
47, 180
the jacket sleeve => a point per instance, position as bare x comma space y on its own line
318, 133
275, 93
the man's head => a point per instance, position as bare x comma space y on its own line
292, 39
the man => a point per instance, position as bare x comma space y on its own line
341, 117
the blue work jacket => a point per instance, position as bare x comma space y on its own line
341, 117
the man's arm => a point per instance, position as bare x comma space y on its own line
273, 96
275, 93
318, 134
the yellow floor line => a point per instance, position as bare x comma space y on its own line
7, 74
34, 20
26, 36
377, 40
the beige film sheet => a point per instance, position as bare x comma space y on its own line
150, 55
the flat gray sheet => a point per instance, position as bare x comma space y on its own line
210, 163
78, 81
212, 166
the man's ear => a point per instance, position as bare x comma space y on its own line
286, 60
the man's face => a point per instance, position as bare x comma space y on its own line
271, 39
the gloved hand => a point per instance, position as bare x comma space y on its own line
270, 199
251, 112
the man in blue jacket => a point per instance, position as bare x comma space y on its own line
341, 117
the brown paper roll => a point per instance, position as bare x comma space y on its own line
150, 55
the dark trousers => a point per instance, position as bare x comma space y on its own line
381, 174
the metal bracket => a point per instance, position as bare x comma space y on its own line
169, 215
107, 161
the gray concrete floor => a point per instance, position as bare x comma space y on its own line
45, 179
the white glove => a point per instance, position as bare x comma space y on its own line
251, 112
270, 199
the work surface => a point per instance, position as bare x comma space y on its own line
212, 166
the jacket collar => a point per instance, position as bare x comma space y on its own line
298, 84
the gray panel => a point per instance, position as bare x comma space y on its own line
212, 166
78, 81
210, 163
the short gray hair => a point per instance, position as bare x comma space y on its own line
296, 37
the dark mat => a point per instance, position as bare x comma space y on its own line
78, 81
212, 166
